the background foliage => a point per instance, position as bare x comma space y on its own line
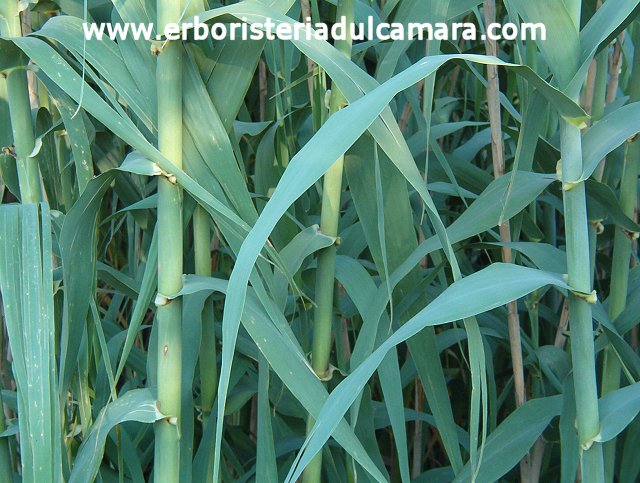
451, 301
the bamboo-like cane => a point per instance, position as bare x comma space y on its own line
325, 278
20, 110
208, 357
170, 263
581, 323
497, 149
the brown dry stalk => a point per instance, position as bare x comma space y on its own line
614, 69
497, 151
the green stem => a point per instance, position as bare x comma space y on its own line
597, 112
170, 269
579, 277
325, 276
66, 184
326, 269
621, 258
20, 111
208, 357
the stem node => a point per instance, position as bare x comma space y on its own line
161, 300
591, 298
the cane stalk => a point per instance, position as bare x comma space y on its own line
20, 111
580, 299
497, 151
207, 357
598, 103
208, 360
622, 257
170, 245
325, 277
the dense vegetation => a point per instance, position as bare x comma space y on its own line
351, 261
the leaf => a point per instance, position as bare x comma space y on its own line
137, 163
617, 409
287, 360
353, 82
546, 257
11, 57
210, 138
561, 30
105, 57
305, 243
487, 289
76, 129
607, 134
482, 215
145, 295
26, 281
78, 252
513, 438
135, 405
603, 197
67, 79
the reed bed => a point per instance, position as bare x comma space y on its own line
271, 260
